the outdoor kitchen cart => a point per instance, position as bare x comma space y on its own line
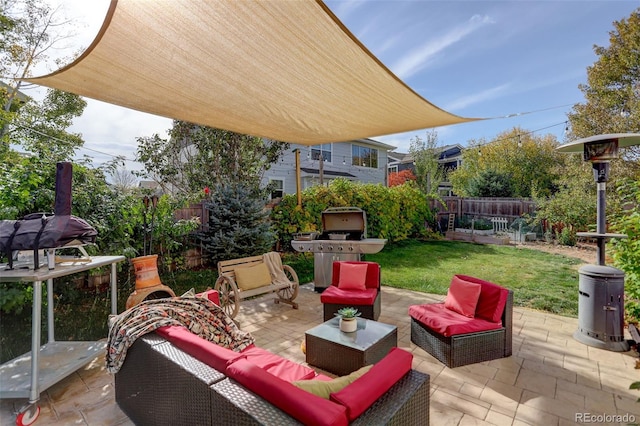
28, 375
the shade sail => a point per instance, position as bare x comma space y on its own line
281, 69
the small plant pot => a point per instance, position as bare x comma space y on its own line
348, 325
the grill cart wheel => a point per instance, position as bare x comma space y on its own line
28, 416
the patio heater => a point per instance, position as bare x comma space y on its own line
601, 287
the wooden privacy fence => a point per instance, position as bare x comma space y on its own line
487, 207
194, 210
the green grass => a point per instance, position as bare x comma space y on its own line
539, 280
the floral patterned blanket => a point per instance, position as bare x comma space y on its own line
201, 316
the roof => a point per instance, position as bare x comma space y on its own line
284, 70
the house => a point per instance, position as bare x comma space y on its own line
449, 158
362, 160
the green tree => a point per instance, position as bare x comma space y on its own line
574, 201
238, 223
31, 28
531, 161
490, 183
429, 174
612, 91
196, 157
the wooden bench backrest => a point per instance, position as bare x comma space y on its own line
228, 267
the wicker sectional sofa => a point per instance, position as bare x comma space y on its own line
170, 377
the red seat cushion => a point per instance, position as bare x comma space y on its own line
276, 365
302, 405
492, 300
462, 296
337, 295
447, 322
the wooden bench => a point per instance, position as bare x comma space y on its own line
231, 294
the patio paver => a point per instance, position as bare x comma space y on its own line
549, 378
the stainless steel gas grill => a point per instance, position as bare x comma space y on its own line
343, 238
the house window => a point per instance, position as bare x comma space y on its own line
277, 188
364, 157
324, 150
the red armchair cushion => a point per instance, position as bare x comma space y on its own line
363, 392
353, 276
302, 405
492, 300
276, 365
211, 354
335, 295
447, 322
463, 296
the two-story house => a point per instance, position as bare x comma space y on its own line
449, 158
362, 160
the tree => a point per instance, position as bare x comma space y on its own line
403, 176
490, 183
574, 201
238, 223
429, 174
32, 29
531, 162
612, 95
123, 180
196, 157
612, 91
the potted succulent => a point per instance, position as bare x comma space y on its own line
348, 317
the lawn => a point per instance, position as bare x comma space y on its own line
540, 281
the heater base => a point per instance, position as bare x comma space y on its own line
622, 346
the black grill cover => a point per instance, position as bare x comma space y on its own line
45, 231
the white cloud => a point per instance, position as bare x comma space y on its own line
485, 95
418, 58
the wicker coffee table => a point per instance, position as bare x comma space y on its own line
341, 353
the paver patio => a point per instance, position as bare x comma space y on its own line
551, 379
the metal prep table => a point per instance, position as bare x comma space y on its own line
28, 375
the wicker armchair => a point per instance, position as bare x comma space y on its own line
367, 300
468, 348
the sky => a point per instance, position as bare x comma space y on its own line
516, 62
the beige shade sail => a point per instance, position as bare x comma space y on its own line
288, 70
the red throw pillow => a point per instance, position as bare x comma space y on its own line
463, 297
353, 276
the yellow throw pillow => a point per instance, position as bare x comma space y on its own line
253, 276
323, 388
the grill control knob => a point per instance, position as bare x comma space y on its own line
340, 248
330, 248
320, 247
350, 248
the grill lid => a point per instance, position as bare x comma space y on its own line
349, 221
